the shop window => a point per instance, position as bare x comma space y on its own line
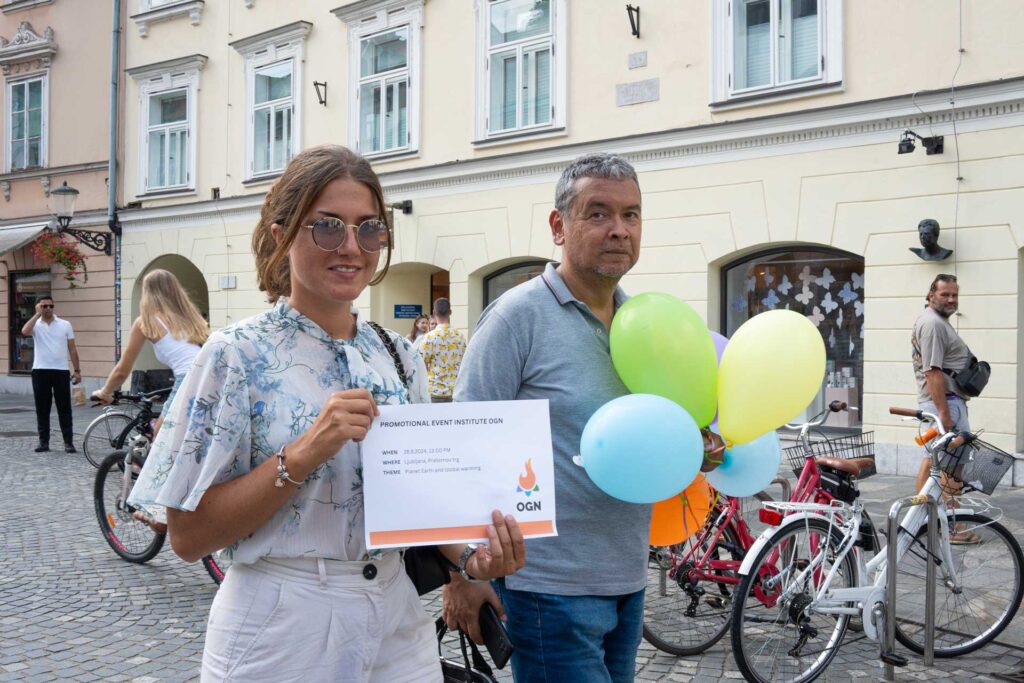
505, 279
827, 287
26, 289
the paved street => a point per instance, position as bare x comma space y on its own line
70, 610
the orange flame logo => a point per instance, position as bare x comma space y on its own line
529, 480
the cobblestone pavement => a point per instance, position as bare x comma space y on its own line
70, 610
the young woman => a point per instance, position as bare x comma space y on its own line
420, 326
171, 323
261, 453
174, 326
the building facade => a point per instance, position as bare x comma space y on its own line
55, 117
787, 152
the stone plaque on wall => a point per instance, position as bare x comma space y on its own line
637, 92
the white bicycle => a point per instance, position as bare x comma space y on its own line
806, 577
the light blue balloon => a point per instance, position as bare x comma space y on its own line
748, 468
641, 448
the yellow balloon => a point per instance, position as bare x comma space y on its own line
771, 369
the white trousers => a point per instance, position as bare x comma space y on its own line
312, 620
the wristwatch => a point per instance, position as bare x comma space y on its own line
463, 559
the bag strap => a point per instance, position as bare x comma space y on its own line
479, 663
970, 364
390, 346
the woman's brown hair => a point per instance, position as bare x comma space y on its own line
291, 196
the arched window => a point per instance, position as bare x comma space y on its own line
500, 281
827, 286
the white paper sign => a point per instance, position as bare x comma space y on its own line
432, 473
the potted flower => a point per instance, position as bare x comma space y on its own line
50, 248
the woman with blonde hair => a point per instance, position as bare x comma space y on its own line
260, 455
171, 323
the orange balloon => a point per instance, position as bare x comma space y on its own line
677, 518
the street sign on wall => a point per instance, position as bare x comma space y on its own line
408, 310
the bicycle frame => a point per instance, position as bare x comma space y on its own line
847, 519
704, 568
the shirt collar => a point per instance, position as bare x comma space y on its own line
561, 291
292, 317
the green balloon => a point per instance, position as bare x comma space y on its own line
661, 346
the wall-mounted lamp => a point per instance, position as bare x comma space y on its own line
321, 91
64, 198
932, 145
634, 19
405, 206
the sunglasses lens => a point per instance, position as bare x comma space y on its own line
373, 235
328, 233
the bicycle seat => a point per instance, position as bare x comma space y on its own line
851, 466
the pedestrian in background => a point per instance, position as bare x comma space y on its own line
575, 612
420, 326
53, 342
442, 349
171, 323
936, 347
174, 326
260, 453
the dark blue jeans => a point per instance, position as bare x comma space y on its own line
570, 639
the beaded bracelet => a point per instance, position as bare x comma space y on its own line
282, 471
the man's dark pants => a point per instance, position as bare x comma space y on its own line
53, 385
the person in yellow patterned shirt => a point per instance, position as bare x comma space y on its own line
442, 349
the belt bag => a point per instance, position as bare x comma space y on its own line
972, 379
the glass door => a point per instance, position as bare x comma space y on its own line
26, 289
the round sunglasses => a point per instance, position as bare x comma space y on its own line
330, 233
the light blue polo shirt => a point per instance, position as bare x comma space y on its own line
538, 341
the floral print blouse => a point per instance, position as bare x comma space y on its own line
255, 386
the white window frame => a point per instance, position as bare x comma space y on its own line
157, 79
559, 93
43, 76
366, 20
830, 71
285, 44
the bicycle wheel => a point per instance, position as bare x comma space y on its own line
776, 635
217, 566
989, 575
98, 441
131, 539
683, 615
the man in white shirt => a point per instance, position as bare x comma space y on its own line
54, 342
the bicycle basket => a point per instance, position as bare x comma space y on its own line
978, 466
845, 447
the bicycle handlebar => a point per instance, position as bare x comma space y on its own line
138, 398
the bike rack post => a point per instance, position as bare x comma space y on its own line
888, 654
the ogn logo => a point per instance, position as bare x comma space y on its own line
528, 485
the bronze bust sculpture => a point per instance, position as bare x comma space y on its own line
928, 233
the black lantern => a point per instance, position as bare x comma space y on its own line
64, 198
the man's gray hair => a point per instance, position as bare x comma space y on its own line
600, 165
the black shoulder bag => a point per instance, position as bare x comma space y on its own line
972, 379
425, 565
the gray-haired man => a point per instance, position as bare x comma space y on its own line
575, 612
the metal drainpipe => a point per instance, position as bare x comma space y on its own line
112, 222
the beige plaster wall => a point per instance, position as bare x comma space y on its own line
890, 49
